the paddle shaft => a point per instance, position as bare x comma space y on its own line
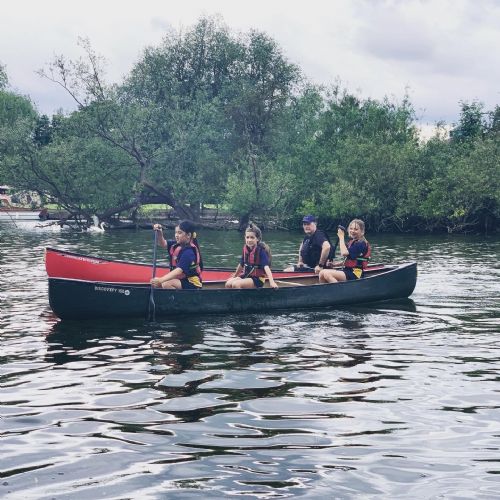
12, 219
290, 283
152, 305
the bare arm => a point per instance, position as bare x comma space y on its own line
176, 273
300, 262
343, 247
325, 250
269, 276
237, 272
161, 239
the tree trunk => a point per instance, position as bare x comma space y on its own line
183, 211
244, 220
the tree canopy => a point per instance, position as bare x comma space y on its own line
213, 116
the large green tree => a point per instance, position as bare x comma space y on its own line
180, 86
17, 119
261, 92
358, 158
461, 176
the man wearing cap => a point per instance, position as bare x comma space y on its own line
315, 248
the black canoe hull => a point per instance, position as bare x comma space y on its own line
77, 299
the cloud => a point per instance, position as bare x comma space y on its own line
394, 36
443, 51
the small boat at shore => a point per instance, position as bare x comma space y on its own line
23, 209
82, 299
18, 214
63, 264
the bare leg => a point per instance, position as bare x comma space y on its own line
240, 283
231, 281
172, 284
331, 276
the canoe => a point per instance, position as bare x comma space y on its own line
83, 299
63, 264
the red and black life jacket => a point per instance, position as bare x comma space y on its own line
175, 252
251, 262
362, 260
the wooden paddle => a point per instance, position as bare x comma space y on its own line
289, 283
152, 305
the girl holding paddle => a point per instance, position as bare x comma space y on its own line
185, 259
254, 265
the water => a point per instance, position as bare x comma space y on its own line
396, 401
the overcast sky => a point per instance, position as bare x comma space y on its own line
439, 51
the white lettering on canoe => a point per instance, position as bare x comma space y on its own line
105, 289
110, 289
84, 259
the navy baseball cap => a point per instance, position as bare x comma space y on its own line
308, 219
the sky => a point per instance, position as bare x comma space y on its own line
438, 52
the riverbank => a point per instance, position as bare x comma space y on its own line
214, 219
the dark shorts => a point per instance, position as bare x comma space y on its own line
258, 283
187, 285
349, 274
303, 269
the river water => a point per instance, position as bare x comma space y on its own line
399, 400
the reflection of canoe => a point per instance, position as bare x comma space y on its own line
61, 264
80, 299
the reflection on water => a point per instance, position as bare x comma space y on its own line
396, 400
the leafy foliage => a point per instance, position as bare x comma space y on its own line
210, 116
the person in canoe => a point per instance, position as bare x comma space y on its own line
185, 258
315, 250
356, 254
255, 262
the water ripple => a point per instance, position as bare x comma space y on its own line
399, 400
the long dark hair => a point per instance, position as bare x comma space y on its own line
253, 228
188, 227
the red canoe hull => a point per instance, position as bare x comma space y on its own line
62, 264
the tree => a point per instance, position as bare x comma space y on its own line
192, 110
82, 173
471, 124
462, 192
3, 77
165, 116
262, 90
182, 81
358, 146
17, 117
106, 116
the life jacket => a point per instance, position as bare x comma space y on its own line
311, 251
362, 260
175, 252
251, 262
